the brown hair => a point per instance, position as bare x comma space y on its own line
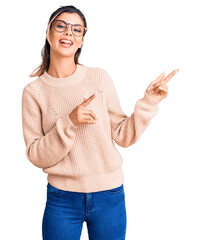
45, 53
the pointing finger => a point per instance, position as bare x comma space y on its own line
166, 79
88, 100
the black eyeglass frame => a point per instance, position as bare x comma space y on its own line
66, 26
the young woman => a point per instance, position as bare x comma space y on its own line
71, 114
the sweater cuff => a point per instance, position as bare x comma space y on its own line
69, 122
149, 99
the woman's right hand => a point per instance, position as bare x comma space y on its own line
81, 114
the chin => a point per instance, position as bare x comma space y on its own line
64, 52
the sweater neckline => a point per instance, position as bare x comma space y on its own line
75, 77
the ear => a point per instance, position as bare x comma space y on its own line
82, 42
47, 36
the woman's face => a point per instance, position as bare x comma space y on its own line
55, 37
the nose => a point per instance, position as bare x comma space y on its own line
69, 29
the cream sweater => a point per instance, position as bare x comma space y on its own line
82, 158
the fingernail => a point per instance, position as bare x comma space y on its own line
150, 87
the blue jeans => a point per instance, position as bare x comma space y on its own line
104, 213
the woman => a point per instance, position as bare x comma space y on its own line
71, 114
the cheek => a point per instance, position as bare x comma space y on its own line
54, 41
54, 38
54, 44
77, 43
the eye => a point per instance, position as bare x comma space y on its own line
60, 26
77, 30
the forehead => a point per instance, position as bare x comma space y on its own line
73, 18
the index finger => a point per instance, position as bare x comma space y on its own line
88, 100
166, 79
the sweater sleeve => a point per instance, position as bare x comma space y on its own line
44, 150
125, 130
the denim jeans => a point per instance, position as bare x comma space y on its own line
104, 213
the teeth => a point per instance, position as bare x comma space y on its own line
66, 41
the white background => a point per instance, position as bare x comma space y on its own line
135, 41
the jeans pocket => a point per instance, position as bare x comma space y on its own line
116, 190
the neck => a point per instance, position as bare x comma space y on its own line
73, 79
62, 66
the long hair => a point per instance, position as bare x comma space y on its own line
45, 53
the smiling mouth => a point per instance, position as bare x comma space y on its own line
65, 44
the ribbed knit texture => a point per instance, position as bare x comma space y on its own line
82, 158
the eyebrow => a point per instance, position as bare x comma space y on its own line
68, 22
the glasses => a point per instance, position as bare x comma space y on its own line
77, 29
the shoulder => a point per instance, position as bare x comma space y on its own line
99, 76
98, 72
32, 84
32, 88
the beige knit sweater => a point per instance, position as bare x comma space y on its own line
82, 158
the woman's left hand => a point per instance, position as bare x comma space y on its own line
158, 88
